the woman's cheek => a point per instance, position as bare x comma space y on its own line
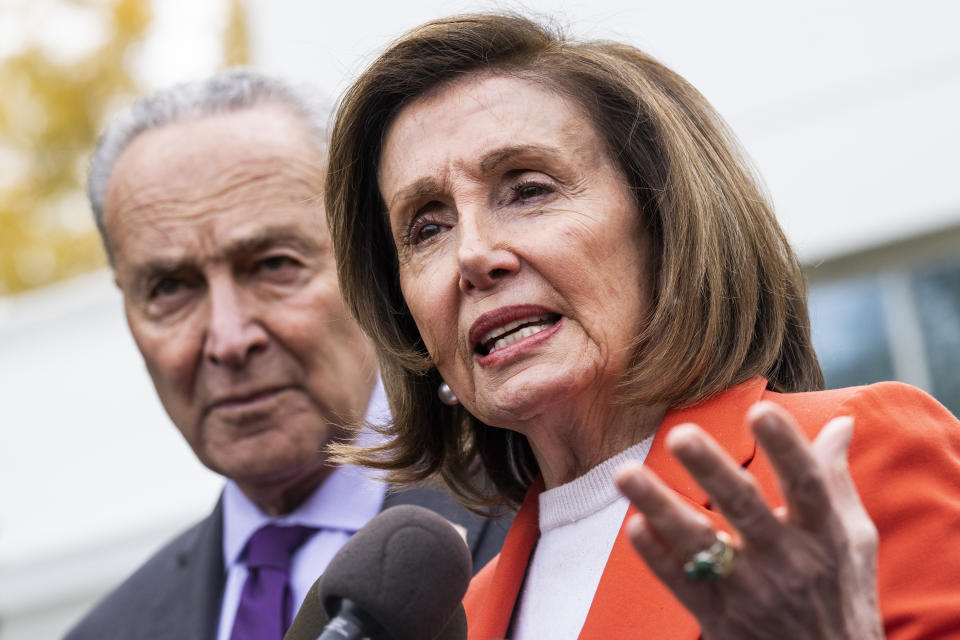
425, 314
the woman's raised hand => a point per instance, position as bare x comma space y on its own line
803, 571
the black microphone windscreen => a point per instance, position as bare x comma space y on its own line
407, 568
456, 628
311, 618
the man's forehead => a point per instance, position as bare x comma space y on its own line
270, 185
262, 131
204, 173
215, 230
214, 181
210, 155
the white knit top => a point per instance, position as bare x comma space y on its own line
579, 522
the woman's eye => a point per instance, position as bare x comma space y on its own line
422, 229
427, 231
529, 191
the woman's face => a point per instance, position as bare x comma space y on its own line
522, 257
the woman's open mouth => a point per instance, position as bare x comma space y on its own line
503, 336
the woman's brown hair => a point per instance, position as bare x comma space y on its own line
729, 296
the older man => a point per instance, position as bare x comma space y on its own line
208, 199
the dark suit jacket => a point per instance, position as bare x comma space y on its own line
176, 594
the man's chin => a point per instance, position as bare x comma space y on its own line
264, 470
280, 490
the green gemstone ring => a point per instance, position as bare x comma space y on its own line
713, 563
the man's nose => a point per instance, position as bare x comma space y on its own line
235, 331
484, 253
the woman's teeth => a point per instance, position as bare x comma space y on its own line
526, 332
512, 331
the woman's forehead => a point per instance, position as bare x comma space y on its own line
480, 121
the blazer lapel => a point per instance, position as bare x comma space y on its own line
723, 416
207, 578
493, 613
190, 608
630, 601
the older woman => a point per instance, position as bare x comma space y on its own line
566, 265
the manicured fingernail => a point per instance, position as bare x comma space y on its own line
760, 411
627, 475
843, 422
763, 416
840, 432
636, 525
683, 437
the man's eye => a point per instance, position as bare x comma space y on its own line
275, 263
166, 287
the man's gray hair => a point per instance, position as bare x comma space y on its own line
226, 91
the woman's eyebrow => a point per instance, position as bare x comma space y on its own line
428, 186
416, 189
494, 158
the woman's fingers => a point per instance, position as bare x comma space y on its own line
830, 447
731, 489
660, 561
675, 522
801, 475
811, 562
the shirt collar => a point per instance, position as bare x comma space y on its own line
346, 500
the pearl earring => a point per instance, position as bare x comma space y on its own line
446, 395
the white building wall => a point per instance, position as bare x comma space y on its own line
94, 475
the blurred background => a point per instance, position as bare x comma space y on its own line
849, 109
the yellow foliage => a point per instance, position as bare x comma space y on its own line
236, 45
50, 115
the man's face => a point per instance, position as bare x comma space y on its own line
226, 266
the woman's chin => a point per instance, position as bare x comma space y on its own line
523, 401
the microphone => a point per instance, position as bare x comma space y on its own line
401, 577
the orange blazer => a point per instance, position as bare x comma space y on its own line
905, 461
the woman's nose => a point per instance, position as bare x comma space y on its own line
484, 255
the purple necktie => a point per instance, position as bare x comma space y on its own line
266, 606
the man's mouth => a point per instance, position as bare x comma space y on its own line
246, 399
514, 331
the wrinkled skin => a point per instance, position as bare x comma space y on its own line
501, 195
803, 571
225, 262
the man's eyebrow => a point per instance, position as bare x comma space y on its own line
272, 237
493, 159
144, 273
